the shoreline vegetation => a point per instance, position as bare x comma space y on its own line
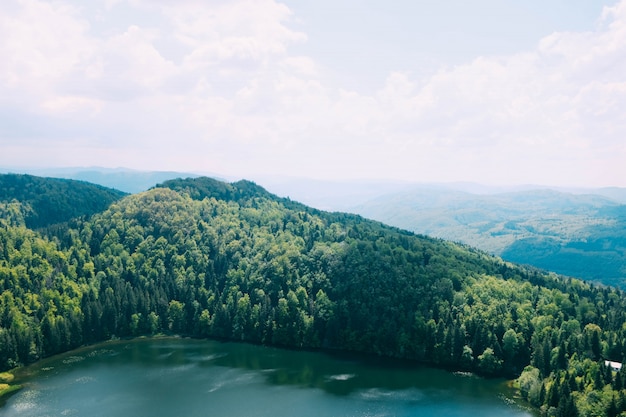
213, 260
6, 388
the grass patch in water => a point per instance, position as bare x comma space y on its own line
5, 387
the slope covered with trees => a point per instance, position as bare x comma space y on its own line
40, 202
209, 259
579, 235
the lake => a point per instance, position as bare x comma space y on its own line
183, 377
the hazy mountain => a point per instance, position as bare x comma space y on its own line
330, 195
573, 231
342, 195
582, 235
123, 179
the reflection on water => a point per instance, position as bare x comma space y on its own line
169, 377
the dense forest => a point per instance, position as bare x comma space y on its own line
578, 235
50, 201
203, 258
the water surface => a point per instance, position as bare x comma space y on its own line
182, 377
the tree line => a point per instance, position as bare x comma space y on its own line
209, 259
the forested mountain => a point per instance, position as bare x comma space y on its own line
578, 232
40, 202
579, 235
124, 179
204, 258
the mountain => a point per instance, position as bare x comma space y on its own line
580, 235
204, 258
346, 195
330, 195
41, 202
126, 180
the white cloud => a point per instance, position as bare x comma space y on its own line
239, 33
40, 43
219, 86
559, 108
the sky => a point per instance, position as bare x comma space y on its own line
497, 92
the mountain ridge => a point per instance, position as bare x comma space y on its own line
204, 258
47, 201
580, 235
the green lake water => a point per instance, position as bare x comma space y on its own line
182, 377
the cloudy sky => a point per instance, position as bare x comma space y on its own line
492, 91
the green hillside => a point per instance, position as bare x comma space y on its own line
127, 180
204, 258
581, 236
40, 202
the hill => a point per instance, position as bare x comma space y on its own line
123, 179
578, 235
204, 258
40, 202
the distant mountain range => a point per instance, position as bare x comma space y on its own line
580, 235
572, 231
579, 232
123, 179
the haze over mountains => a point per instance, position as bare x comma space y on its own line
577, 232
581, 235
123, 179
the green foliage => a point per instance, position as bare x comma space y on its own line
581, 236
41, 202
208, 259
489, 363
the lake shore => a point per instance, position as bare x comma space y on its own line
6, 388
203, 370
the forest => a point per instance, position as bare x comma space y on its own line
575, 234
48, 201
208, 259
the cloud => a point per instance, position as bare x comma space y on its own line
58, 63
41, 43
222, 86
555, 113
